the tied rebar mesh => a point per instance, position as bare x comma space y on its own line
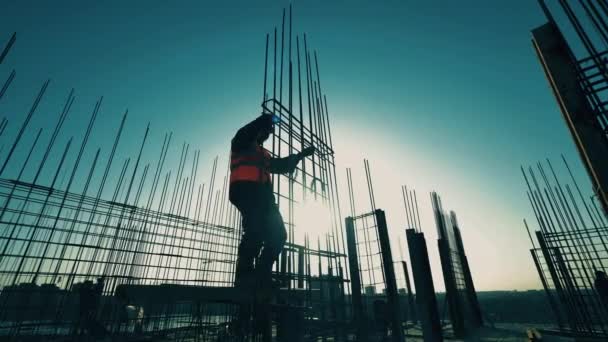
571, 246
134, 248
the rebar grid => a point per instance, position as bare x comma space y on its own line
159, 225
572, 246
585, 29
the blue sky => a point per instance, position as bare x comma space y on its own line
445, 96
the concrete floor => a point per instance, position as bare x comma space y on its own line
499, 333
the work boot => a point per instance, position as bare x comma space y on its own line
262, 322
265, 289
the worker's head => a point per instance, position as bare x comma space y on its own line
269, 121
600, 274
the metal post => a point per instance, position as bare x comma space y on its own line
7, 83
25, 124
8, 47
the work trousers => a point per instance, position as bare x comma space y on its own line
263, 230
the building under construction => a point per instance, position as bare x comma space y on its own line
569, 247
578, 79
138, 249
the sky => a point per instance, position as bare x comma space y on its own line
440, 96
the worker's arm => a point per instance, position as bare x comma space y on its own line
289, 163
284, 165
246, 136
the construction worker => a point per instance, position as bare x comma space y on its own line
251, 192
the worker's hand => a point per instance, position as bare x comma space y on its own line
309, 151
293, 162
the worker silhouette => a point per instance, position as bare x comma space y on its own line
251, 192
601, 286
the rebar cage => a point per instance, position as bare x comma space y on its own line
571, 48
144, 259
571, 246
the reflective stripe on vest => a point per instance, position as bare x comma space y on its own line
250, 167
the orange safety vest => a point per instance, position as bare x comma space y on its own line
250, 166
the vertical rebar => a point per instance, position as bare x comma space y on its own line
8, 47
25, 124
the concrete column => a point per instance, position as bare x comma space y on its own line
389, 274
425, 290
